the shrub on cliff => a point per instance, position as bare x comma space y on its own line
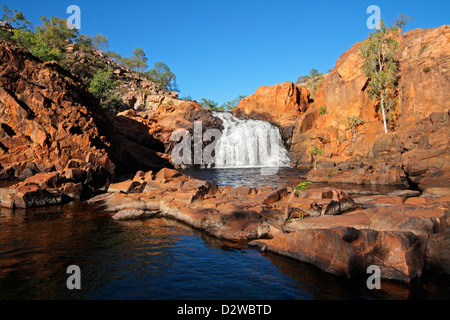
53, 40
102, 85
353, 123
229, 105
311, 81
210, 105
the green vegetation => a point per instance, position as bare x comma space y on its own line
402, 21
187, 98
54, 41
209, 104
138, 60
214, 106
311, 81
323, 110
353, 123
314, 152
163, 76
49, 41
330, 174
295, 190
381, 67
15, 19
101, 86
426, 69
229, 105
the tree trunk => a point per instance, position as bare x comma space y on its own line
383, 112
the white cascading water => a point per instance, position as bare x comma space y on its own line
249, 143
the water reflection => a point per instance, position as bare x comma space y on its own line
158, 259
252, 177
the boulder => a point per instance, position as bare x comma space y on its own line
346, 251
73, 190
32, 195
45, 180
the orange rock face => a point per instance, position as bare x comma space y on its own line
280, 105
48, 118
415, 152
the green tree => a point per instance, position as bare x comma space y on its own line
115, 57
402, 21
227, 106
15, 18
138, 60
187, 98
12, 19
163, 76
210, 105
380, 66
100, 42
49, 41
55, 33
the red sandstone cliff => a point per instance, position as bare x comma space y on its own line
280, 105
415, 152
47, 117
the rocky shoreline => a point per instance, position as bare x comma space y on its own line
404, 233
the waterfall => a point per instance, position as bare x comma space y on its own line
249, 143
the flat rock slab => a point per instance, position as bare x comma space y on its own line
133, 214
379, 201
418, 220
405, 193
235, 225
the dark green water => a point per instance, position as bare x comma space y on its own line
161, 259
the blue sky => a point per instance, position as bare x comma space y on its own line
221, 49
